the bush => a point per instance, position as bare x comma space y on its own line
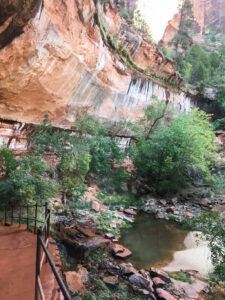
102, 292
219, 124
180, 277
28, 183
124, 199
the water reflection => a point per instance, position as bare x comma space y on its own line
153, 242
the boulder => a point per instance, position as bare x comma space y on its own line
163, 202
170, 210
109, 236
85, 231
110, 280
120, 251
164, 295
127, 269
95, 206
159, 215
95, 243
158, 282
139, 281
130, 212
144, 273
189, 215
74, 282
205, 202
83, 273
161, 274
174, 200
144, 292
133, 207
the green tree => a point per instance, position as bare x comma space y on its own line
141, 24
90, 148
8, 162
183, 38
177, 153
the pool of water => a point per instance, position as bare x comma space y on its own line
153, 241
164, 244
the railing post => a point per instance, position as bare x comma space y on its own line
48, 223
35, 221
6, 215
27, 218
46, 209
12, 215
20, 217
38, 260
46, 213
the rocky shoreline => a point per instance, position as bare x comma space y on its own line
98, 252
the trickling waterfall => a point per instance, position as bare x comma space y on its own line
141, 93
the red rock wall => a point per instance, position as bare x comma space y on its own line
208, 13
60, 65
15, 135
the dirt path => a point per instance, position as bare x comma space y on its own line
17, 265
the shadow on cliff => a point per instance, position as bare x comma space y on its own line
14, 15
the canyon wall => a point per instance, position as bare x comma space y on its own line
59, 65
208, 13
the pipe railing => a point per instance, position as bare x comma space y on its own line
42, 247
42, 253
9, 215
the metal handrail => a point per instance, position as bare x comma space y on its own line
43, 244
27, 218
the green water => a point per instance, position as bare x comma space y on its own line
152, 241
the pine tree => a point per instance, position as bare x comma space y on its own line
141, 24
183, 37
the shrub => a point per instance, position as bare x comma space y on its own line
28, 183
180, 277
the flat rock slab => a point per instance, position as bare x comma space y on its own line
120, 251
17, 265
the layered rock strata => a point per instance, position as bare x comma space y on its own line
60, 65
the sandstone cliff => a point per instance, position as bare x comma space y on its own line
208, 13
58, 63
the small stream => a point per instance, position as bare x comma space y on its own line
165, 244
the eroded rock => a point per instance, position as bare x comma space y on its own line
164, 295
120, 251
110, 280
128, 269
158, 282
160, 274
74, 282
140, 281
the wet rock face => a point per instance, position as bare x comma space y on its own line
60, 66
